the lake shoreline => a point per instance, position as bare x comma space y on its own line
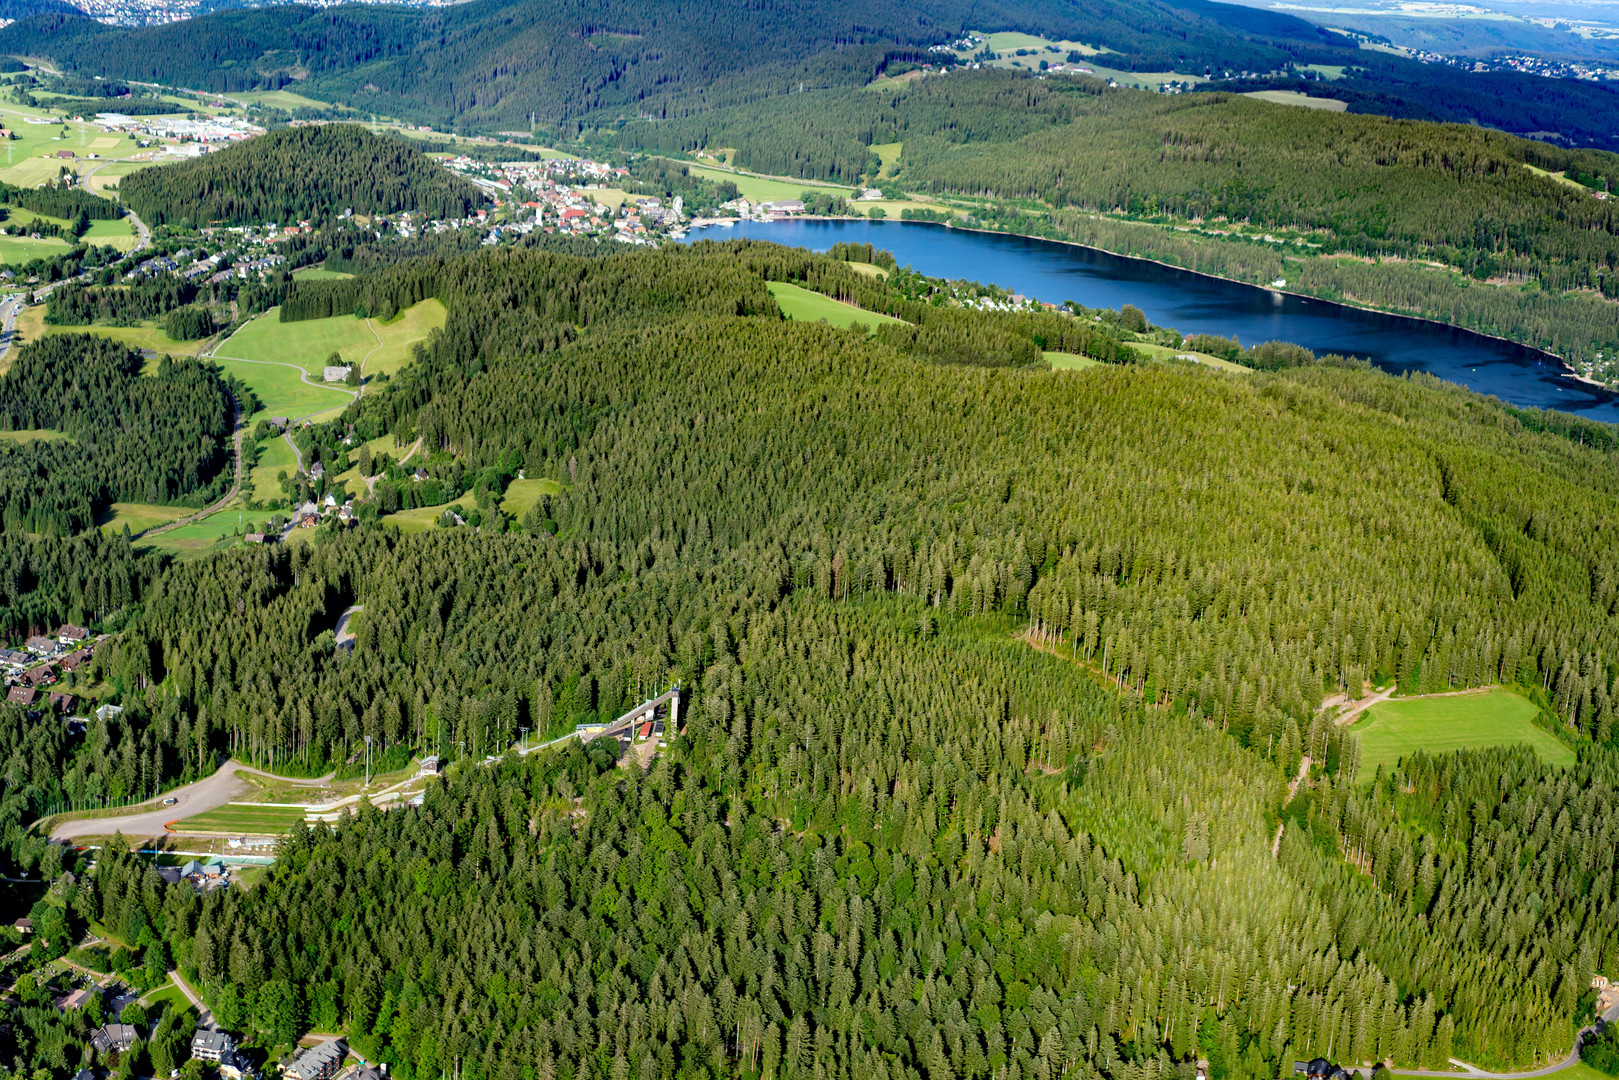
1567, 370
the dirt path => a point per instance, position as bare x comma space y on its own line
1362, 705
236, 485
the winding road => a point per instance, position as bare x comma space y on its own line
1473, 1072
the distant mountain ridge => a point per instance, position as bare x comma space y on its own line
564, 66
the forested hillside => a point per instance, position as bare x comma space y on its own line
502, 62
994, 676
125, 436
298, 173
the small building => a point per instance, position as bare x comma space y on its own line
25, 696
317, 470
211, 1045
68, 634
24, 925
62, 701
335, 373
84, 1074
256, 538
114, 1038
419, 475
72, 1001
76, 659
15, 658
319, 1062
430, 765
783, 206
65, 155
280, 422
235, 1066
108, 712
42, 645
39, 676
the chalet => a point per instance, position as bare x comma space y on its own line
38, 676
108, 712
235, 1066
335, 373
24, 696
76, 659
24, 925
42, 645
114, 1038
68, 634
317, 470
319, 1062
280, 422
211, 1045
256, 538
65, 155
15, 658
308, 516
419, 475
61, 701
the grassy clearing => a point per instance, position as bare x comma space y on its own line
308, 344
244, 818
400, 333
1559, 177
138, 516
758, 189
15, 250
1293, 97
31, 326
169, 996
274, 456
1066, 361
315, 273
888, 153
212, 533
867, 269
118, 234
281, 392
382, 444
29, 435
799, 303
281, 99
523, 494
1393, 729
422, 518
1164, 352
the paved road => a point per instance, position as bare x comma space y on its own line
208, 794
1473, 1072
205, 1019
342, 631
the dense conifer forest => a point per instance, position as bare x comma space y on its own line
995, 680
123, 436
295, 174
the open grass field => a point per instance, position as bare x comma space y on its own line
117, 234
1164, 352
15, 250
1441, 724
421, 519
138, 516
867, 269
757, 189
1293, 97
274, 456
799, 303
1066, 361
170, 997
244, 818
31, 326
399, 334
281, 392
888, 153
212, 533
34, 435
382, 347
281, 99
315, 273
523, 494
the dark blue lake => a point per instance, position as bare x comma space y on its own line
1192, 303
